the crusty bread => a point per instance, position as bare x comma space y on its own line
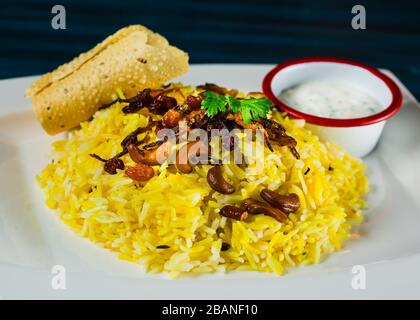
131, 59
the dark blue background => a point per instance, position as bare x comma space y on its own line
218, 31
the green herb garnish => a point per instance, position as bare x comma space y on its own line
234, 104
251, 109
213, 103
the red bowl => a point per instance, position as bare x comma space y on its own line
332, 63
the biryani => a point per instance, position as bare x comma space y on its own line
187, 180
298, 207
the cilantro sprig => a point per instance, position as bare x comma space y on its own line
213, 103
251, 108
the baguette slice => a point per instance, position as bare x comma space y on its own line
132, 59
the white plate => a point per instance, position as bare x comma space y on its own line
33, 240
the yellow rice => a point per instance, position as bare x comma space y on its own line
181, 210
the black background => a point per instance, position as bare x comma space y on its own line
218, 31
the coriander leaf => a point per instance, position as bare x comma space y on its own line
246, 115
213, 103
253, 109
234, 104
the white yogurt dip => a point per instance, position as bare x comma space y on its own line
331, 100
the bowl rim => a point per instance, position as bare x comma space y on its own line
389, 111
